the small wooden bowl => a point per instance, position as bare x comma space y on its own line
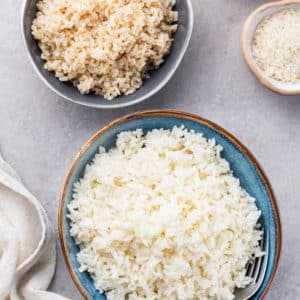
246, 42
158, 78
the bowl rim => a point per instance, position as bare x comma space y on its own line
164, 113
111, 105
247, 55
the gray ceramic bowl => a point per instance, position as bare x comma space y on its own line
158, 78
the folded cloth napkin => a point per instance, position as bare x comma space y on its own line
27, 242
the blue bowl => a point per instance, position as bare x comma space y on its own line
242, 162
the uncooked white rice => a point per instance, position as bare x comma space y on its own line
161, 216
104, 46
276, 46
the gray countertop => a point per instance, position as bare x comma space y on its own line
40, 133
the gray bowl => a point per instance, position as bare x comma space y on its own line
158, 78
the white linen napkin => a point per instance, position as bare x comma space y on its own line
27, 243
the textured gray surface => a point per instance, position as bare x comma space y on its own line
40, 133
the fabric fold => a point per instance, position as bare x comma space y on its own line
27, 242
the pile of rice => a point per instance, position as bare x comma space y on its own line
161, 216
276, 46
104, 46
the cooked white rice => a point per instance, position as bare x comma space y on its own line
104, 46
161, 216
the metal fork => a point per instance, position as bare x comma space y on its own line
256, 270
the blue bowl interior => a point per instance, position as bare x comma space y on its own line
157, 77
241, 165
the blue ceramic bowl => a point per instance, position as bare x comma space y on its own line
158, 78
243, 164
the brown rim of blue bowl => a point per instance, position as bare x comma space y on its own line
165, 113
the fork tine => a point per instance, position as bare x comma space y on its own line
255, 265
261, 275
257, 269
259, 260
248, 268
251, 268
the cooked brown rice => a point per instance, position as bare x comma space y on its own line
104, 46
